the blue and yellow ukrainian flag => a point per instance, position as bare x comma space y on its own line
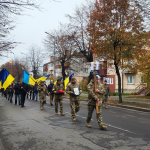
5, 79
42, 78
27, 78
67, 80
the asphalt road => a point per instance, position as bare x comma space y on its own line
30, 128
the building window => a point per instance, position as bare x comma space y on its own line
142, 79
111, 80
130, 79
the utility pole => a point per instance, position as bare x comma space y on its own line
54, 64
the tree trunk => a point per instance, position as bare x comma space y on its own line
119, 81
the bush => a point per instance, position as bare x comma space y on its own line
84, 84
133, 93
114, 94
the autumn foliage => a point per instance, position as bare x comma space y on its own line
117, 32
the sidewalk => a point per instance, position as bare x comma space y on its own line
125, 99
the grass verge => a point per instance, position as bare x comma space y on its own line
143, 105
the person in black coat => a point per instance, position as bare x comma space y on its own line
50, 91
24, 91
35, 91
17, 91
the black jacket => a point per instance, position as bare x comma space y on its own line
50, 88
17, 89
24, 90
35, 89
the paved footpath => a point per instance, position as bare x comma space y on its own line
30, 128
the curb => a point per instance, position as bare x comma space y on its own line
131, 107
124, 106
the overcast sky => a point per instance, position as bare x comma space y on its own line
30, 30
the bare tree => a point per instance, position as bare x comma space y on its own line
78, 24
35, 59
64, 46
9, 9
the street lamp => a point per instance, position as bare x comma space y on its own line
54, 57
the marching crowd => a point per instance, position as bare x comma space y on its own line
99, 96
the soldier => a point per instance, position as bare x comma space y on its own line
92, 100
74, 90
42, 94
58, 90
11, 91
106, 93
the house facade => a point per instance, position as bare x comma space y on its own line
78, 65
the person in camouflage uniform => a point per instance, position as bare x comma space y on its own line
106, 93
42, 89
75, 102
58, 96
92, 99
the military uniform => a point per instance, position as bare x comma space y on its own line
42, 89
75, 102
105, 96
58, 97
92, 99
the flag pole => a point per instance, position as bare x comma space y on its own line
95, 83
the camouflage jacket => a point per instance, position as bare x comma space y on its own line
92, 98
106, 89
56, 87
70, 90
42, 89
10, 89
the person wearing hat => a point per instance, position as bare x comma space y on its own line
42, 94
23, 91
50, 92
35, 91
17, 91
93, 99
74, 90
58, 90
106, 93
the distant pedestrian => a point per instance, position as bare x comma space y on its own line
106, 93
17, 91
35, 91
2, 90
11, 91
50, 91
24, 89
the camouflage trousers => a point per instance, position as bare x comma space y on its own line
105, 99
75, 107
61, 106
90, 111
42, 100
